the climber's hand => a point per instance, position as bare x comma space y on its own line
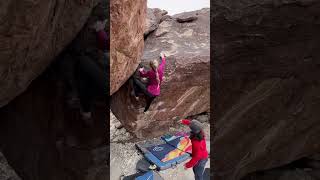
162, 55
141, 69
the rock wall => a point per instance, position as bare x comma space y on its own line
266, 85
185, 89
32, 33
6, 172
302, 169
127, 28
34, 131
154, 17
36, 126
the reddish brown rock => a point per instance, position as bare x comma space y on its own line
32, 33
266, 85
185, 89
127, 29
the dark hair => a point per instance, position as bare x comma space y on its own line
198, 136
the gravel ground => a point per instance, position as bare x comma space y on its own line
124, 156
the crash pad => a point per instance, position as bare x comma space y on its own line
166, 152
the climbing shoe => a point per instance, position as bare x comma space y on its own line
153, 167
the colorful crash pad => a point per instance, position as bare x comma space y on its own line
171, 151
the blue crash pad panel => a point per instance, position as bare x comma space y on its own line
150, 175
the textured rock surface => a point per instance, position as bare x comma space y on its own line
154, 17
35, 126
127, 29
185, 89
187, 17
32, 33
6, 172
302, 169
286, 174
266, 67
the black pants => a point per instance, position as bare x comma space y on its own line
140, 87
86, 78
92, 82
68, 66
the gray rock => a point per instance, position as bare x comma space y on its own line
154, 17
187, 17
203, 118
6, 171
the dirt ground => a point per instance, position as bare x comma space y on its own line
124, 156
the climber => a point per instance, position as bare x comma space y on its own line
151, 89
92, 75
199, 148
85, 73
102, 40
101, 35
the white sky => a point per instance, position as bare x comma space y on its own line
178, 6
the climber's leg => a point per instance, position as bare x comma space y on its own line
68, 70
133, 87
86, 97
149, 100
139, 86
106, 69
96, 74
92, 83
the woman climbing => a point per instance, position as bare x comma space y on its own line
84, 73
151, 89
199, 148
101, 35
93, 75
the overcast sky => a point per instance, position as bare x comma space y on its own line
178, 6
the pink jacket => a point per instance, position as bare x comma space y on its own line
153, 86
102, 40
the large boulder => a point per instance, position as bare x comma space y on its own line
32, 33
185, 89
127, 28
34, 134
266, 85
36, 126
